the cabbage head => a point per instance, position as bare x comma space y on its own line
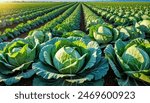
38, 37
144, 26
130, 32
76, 33
130, 61
70, 61
103, 34
15, 60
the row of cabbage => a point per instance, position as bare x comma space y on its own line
31, 24
11, 20
75, 58
71, 23
58, 20
99, 26
123, 16
122, 47
25, 16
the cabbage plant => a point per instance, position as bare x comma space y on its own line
76, 33
130, 61
15, 60
130, 32
2, 46
144, 26
38, 36
103, 34
70, 61
2, 23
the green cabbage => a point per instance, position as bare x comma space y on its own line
130, 61
144, 26
15, 60
70, 61
76, 33
103, 34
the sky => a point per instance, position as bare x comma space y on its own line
73, 0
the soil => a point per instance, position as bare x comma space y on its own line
82, 23
25, 82
110, 79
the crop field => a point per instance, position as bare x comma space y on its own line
75, 44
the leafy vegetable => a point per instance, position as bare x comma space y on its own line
144, 26
131, 60
15, 60
76, 33
103, 34
70, 61
38, 36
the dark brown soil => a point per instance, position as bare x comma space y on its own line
82, 23
25, 82
110, 79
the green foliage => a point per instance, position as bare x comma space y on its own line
16, 58
73, 60
130, 61
56, 52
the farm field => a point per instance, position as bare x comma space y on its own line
75, 44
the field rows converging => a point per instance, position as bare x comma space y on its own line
14, 20
11, 20
75, 44
34, 23
58, 20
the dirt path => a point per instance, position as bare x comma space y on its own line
82, 23
110, 79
